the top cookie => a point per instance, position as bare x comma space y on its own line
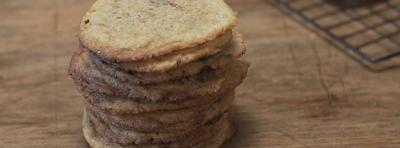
132, 30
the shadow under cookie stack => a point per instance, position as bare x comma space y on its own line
158, 73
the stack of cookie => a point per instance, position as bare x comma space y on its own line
158, 73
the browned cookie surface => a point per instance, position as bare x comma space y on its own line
232, 51
126, 105
218, 138
122, 30
133, 137
207, 83
166, 121
175, 59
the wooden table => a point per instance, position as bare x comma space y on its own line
300, 91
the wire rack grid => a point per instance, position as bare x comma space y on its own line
370, 32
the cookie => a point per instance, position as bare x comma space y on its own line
165, 121
122, 31
232, 51
206, 83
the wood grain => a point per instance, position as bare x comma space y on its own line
300, 92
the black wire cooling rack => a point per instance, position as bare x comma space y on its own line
370, 32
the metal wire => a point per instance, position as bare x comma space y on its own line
370, 40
